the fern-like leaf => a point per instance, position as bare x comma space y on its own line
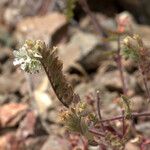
69, 9
53, 68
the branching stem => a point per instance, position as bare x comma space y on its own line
123, 123
144, 114
99, 109
119, 64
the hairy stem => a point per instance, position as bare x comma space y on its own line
99, 109
123, 123
119, 64
144, 114
96, 132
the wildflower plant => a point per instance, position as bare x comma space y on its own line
134, 48
78, 116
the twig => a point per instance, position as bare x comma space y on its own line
144, 114
95, 22
99, 109
119, 64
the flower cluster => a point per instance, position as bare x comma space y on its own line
132, 46
28, 56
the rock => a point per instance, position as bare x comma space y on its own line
129, 65
16, 10
84, 48
137, 103
27, 126
111, 81
9, 141
144, 128
6, 61
42, 97
94, 148
131, 146
56, 143
84, 88
109, 108
41, 27
144, 32
53, 116
140, 9
8, 83
11, 113
107, 23
35, 143
4, 55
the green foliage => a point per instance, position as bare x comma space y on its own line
130, 53
126, 106
28, 57
70, 8
76, 119
131, 47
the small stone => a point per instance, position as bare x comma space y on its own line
131, 146
83, 48
56, 143
137, 103
40, 27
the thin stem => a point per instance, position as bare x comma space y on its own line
96, 132
29, 84
123, 123
95, 22
119, 64
99, 109
144, 114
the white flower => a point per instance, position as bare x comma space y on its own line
28, 57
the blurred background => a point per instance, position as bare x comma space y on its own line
29, 109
